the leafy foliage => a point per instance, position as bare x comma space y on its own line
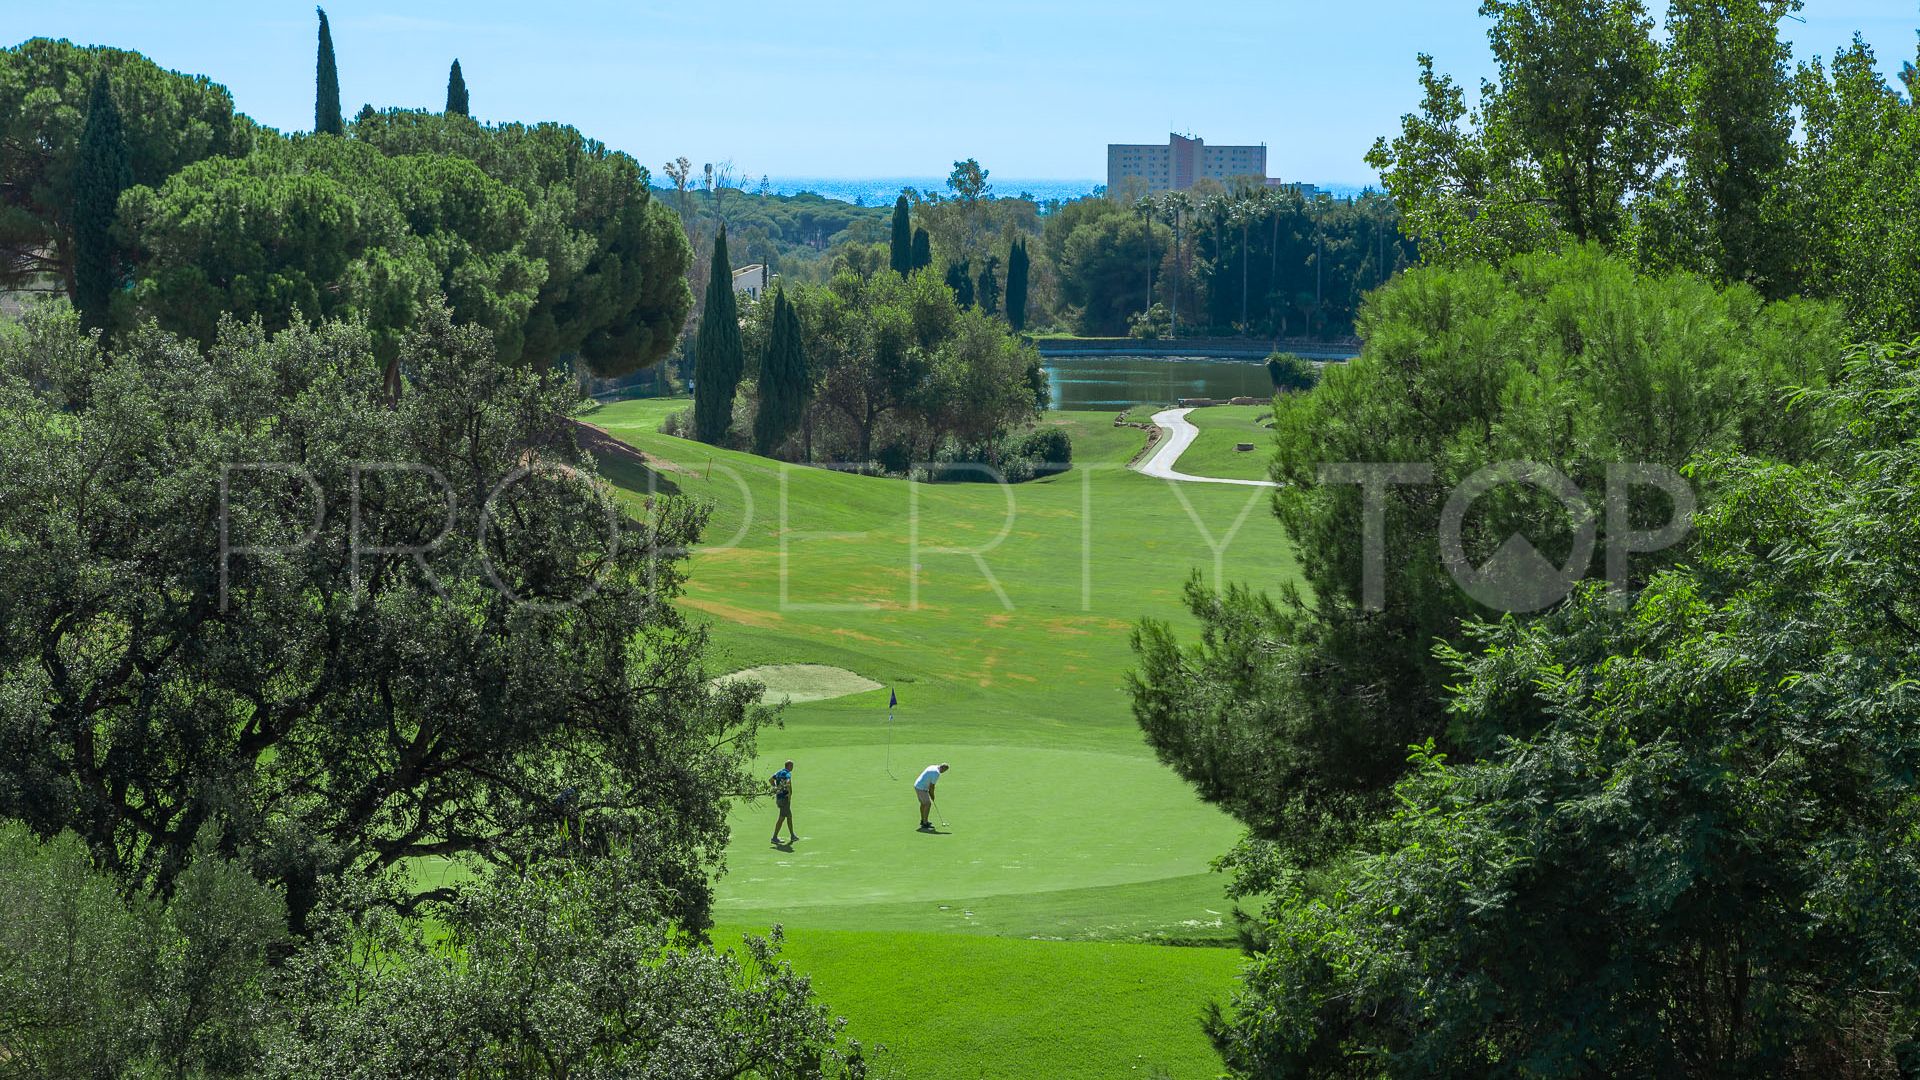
456, 91
327, 708
1694, 852
1294, 712
1104, 256
718, 359
1290, 373
922, 249
987, 287
564, 968
961, 282
615, 294
898, 371
900, 250
784, 383
1718, 210
1017, 267
168, 121
326, 83
104, 173
93, 984
310, 229
1858, 178
1678, 150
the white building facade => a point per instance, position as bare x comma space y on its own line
1145, 168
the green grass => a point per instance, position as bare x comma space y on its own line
995, 1008
1064, 827
1222, 427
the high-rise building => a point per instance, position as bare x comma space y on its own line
1147, 167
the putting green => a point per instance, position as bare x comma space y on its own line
803, 682
1023, 820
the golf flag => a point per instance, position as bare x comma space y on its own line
893, 699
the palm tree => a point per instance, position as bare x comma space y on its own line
1146, 208
1174, 206
1241, 214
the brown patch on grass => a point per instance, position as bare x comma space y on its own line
731, 613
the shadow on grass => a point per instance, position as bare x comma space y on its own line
623, 464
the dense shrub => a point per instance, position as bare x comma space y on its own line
94, 984
564, 968
1291, 373
1013, 459
1694, 852
1295, 711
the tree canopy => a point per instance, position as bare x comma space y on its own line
315, 228
538, 234
104, 173
249, 593
719, 359
1692, 853
168, 120
901, 375
1294, 712
456, 91
326, 83
615, 294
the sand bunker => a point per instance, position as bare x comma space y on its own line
803, 682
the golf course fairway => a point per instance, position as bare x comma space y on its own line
1000, 617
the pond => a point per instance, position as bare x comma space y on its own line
1116, 382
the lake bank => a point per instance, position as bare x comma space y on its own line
1237, 348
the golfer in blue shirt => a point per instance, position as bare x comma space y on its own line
783, 798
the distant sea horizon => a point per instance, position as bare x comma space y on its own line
882, 190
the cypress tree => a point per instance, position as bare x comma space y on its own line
799, 378
326, 97
105, 170
902, 250
1017, 286
457, 91
961, 283
987, 292
922, 249
783, 381
717, 358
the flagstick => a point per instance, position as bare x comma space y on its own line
892, 700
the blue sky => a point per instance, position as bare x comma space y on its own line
856, 88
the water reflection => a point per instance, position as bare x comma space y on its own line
1115, 382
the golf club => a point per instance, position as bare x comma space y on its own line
942, 813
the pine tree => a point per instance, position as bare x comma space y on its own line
961, 282
457, 91
783, 381
717, 358
987, 291
105, 170
902, 250
1017, 286
922, 249
365, 114
326, 98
